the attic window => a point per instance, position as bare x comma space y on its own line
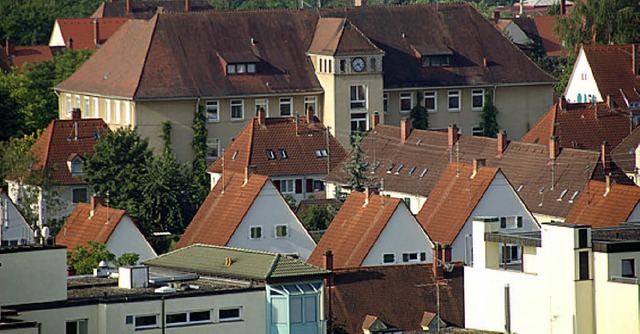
283, 153
520, 187
564, 192
241, 68
436, 60
399, 169
235, 154
413, 169
573, 197
424, 171
541, 190
271, 155
391, 168
321, 153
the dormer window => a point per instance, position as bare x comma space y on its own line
271, 155
241, 68
321, 153
436, 61
283, 153
74, 164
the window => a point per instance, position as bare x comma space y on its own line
441, 60
67, 103
477, 131
211, 108
285, 106
454, 100
86, 110
262, 104
430, 101
584, 265
406, 102
373, 64
256, 232
77, 327
583, 76
310, 309
311, 102
411, 257
76, 103
358, 122
628, 268
477, 99
213, 149
230, 314
271, 155
281, 231
237, 110
358, 97
251, 68
127, 112
283, 153
117, 112
343, 65
79, 195
107, 104
231, 69
96, 108
146, 321
388, 258
385, 102
318, 185
510, 253
192, 317
176, 318
321, 153
295, 307
76, 167
582, 238
511, 222
407, 201
287, 186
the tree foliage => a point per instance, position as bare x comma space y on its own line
83, 259
127, 259
354, 166
200, 184
317, 218
419, 117
489, 117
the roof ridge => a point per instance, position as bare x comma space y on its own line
154, 21
249, 205
274, 264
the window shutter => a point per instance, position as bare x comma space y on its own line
277, 184
309, 185
503, 222
519, 221
298, 186
405, 257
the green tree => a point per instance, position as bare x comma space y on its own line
489, 117
200, 184
84, 259
317, 218
127, 259
419, 117
354, 167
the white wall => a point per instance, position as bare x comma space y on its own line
56, 36
54, 320
577, 85
126, 238
403, 234
12, 225
268, 210
635, 214
415, 201
616, 304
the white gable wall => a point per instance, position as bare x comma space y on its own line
635, 214
403, 234
500, 200
269, 210
56, 36
126, 238
582, 82
13, 227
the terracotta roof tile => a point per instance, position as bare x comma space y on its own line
612, 70
146, 9
80, 227
338, 37
81, 30
596, 209
354, 230
453, 199
59, 141
624, 155
254, 140
544, 26
221, 213
31, 54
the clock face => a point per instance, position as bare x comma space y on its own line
357, 64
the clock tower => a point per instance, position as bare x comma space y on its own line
349, 68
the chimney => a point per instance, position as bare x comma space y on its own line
310, 115
70, 43
96, 32
75, 113
248, 171
502, 142
496, 14
445, 253
187, 6
129, 7
360, 3
405, 130
553, 147
563, 7
262, 117
452, 134
376, 120
477, 163
609, 102
95, 201
607, 180
328, 260
437, 263
605, 156
9, 48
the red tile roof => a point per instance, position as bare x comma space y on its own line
612, 70
81, 227
166, 59
624, 155
221, 213
31, 54
550, 43
453, 199
146, 9
595, 209
397, 295
354, 230
581, 125
254, 140
81, 31
59, 141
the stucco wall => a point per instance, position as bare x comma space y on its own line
617, 306
12, 225
126, 238
582, 81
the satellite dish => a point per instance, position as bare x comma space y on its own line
45, 232
448, 267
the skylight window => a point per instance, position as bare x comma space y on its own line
373, 170
365, 164
391, 168
413, 169
541, 190
424, 171
520, 187
573, 197
235, 154
418, 142
271, 155
321, 153
399, 169
283, 153
564, 192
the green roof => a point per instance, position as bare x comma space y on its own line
245, 263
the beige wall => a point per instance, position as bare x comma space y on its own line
54, 320
616, 303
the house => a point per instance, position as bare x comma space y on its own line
525, 31
536, 7
626, 156
570, 279
142, 9
340, 62
604, 204
19, 55
296, 153
14, 229
464, 193
83, 33
248, 211
196, 289
513, 31
96, 221
582, 126
62, 149
373, 230
606, 73
410, 162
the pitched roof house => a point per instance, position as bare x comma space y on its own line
62, 148
411, 162
603, 204
14, 229
19, 55
84, 33
465, 192
139, 9
341, 62
113, 227
372, 230
296, 153
248, 212
626, 155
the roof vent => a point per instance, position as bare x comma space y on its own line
133, 277
228, 261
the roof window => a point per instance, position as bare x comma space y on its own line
541, 190
321, 153
520, 187
235, 155
399, 169
391, 168
413, 169
424, 171
241, 68
436, 61
573, 197
373, 170
564, 192
271, 155
283, 153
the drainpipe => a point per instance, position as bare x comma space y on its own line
507, 309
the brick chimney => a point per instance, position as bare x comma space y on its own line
70, 43
496, 14
76, 114
605, 157
310, 115
437, 263
129, 6
477, 163
248, 171
95, 201
445, 253
96, 32
376, 120
452, 135
328, 260
262, 117
405, 130
553, 147
187, 6
502, 142
10, 48
563, 7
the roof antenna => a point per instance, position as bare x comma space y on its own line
328, 155
373, 139
295, 120
381, 189
107, 202
457, 158
222, 157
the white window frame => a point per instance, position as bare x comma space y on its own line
358, 97
259, 228
409, 255
311, 101
68, 105
118, 111
127, 112
431, 94
406, 96
107, 104
454, 94
135, 320
385, 103
212, 143
286, 231
238, 318
237, 104
210, 106
392, 254
188, 318
361, 119
287, 186
76, 102
511, 222
264, 104
81, 325
96, 107
284, 103
86, 110
475, 93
